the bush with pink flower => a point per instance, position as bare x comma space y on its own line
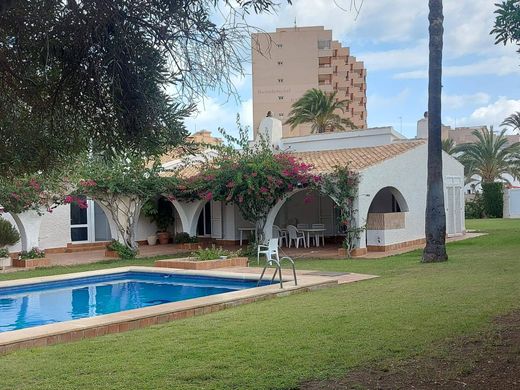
35, 192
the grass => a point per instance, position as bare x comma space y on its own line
278, 344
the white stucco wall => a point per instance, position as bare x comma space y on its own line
55, 228
408, 174
342, 140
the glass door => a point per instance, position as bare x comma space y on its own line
88, 225
79, 227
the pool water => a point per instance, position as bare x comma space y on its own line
31, 305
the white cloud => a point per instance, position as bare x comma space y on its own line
459, 101
491, 114
211, 115
408, 57
497, 66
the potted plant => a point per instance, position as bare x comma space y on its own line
8, 236
160, 212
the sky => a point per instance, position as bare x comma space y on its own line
481, 80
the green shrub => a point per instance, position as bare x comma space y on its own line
213, 253
122, 250
8, 233
184, 238
4, 252
493, 199
34, 253
474, 209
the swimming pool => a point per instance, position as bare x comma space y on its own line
31, 305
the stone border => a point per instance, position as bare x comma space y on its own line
76, 330
189, 263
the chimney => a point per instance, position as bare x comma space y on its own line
271, 130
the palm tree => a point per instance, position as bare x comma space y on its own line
448, 145
319, 109
490, 157
513, 121
435, 229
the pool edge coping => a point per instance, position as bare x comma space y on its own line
79, 329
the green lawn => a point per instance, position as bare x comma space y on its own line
282, 342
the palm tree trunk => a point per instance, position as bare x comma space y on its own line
435, 228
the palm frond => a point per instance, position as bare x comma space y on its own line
320, 110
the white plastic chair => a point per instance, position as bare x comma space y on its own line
273, 259
281, 235
269, 250
296, 235
318, 235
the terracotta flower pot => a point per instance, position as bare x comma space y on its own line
164, 237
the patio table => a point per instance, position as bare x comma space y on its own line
250, 230
309, 231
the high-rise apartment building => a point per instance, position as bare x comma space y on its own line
291, 61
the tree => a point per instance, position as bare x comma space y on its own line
448, 145
319, 109
435, 228
512, 121
121, 186
507, 23
490, 157
76, 74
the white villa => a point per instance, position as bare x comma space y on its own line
391, 201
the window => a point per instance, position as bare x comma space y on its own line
279, 45
280, 62
280, 80
280, 114
280, 97
324, 44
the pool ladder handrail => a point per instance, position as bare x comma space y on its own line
277, 263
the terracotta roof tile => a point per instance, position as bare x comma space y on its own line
324, 161
357, 158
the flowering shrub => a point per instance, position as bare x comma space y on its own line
35, 192
34, 253
254, 177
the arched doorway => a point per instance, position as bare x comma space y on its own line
386, 219
305, 208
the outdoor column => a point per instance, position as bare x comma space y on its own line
28, 224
